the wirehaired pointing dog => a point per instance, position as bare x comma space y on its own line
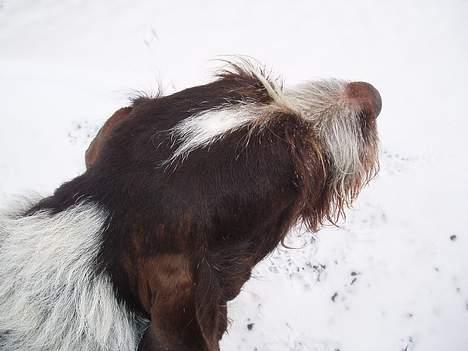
183, 195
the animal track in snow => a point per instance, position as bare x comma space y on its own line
82, 132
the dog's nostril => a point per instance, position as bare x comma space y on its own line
366, 96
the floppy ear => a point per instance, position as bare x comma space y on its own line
94, 149
210, 310
184, 309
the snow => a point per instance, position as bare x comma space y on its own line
394, 276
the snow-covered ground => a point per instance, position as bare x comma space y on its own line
395, 275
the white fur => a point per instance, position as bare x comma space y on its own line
51, 297
334, 119
337, 124
203, 129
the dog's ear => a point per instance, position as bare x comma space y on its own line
210, 311
94, 149
183, 304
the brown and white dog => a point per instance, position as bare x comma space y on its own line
183, 195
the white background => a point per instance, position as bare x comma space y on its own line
65, 66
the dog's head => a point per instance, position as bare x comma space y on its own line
245, 140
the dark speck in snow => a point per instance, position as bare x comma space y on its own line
334, 296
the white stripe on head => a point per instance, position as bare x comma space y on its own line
201, 130
51, 297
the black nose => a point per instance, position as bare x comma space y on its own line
366, 96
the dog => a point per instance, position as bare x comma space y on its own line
182, 196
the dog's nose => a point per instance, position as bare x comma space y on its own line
366, 96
